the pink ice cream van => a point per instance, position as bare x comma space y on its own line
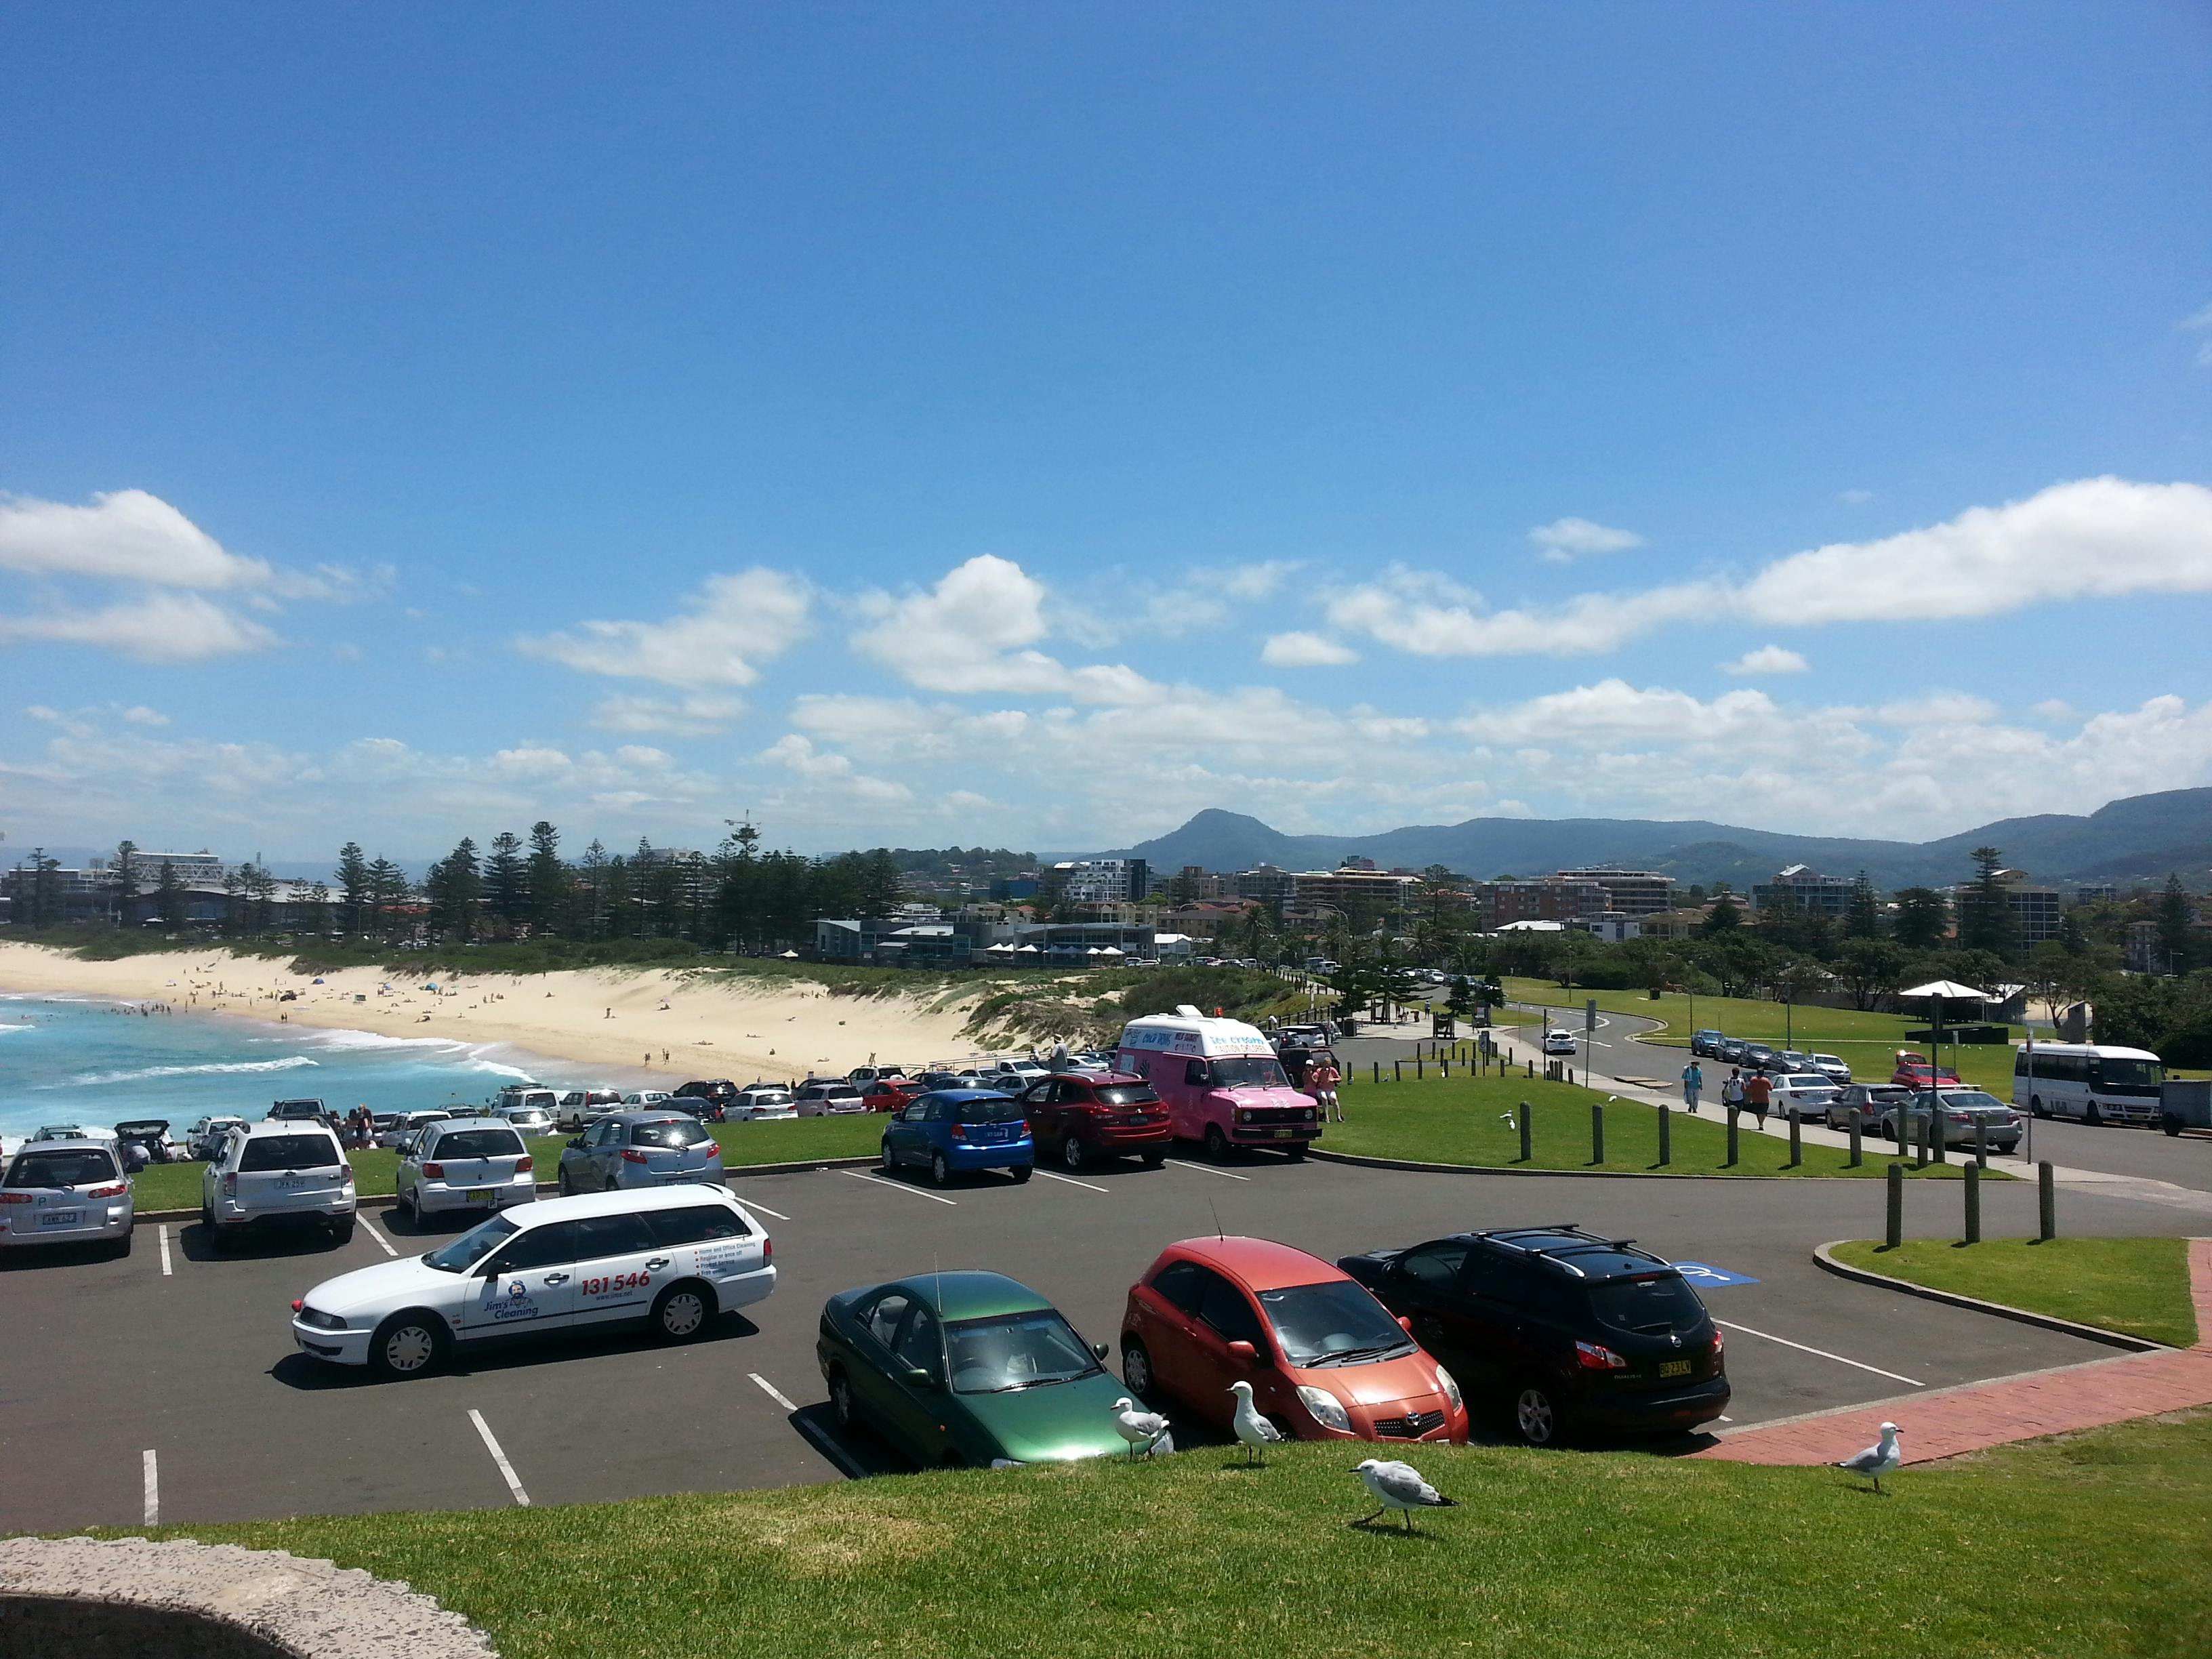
1221, 1081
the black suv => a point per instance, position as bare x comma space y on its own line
1571, 1330
715, 1098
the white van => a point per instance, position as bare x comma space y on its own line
1222, 1082
2089, 1081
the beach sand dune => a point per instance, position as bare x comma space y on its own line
706, 1025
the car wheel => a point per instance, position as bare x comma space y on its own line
1537, 1418
121, 1248
567, 1186
1216, 1143
1295, 1154
2093, 1117
410, 1344
680, 1312
342, 1232
207, 1220
1071, 1150
1022, 1172
1136, 1367
890, 1161
2170, 1124
1155, 1157
940, 1172
2035, 1107
842, 1408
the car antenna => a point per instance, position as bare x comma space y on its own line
1210, 1204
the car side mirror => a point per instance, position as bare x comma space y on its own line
920, 1376
1405, 1324
577, 1144
1244, 1351
1098, 1350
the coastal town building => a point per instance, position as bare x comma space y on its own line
1801, 888
1636, 892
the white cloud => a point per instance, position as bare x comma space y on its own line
724, 631
696, 715
1305, 651
129, 535
1855, 498
139, 714
1766, 660
799, 755
1564, 540
2093, 539
2053, 708
154, 628
2197, 322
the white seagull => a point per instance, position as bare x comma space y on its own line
1144, 1429
1880, 1459
1254, 1431
1398, 1486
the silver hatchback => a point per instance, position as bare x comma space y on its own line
640, 1149
66, 1192
464, 1164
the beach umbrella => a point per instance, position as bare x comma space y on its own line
791, 956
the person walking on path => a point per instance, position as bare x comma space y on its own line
1756, 1094
1322, 1078
1732, 1091
1693, 1083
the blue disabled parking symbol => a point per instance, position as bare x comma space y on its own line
1709, 1277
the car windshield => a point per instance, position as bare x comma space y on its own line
72, 1168
1973, 1100
478, 1143
472, 1247
990, 1111
2127, 1073
1655, 1306
1331, 1324
1130, 1094
1250, 1072
1808, 1080
1016, 1351
769, 1097
290, 1152
675, 1134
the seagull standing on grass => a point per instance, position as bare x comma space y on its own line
1144, 1429
1880, 1459
1254, 1431
1398, 1486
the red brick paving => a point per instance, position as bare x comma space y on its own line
1948, 1421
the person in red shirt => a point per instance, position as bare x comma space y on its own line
1756, 1093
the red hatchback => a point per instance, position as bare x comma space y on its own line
891, 1094
1080, 1117
1325, 1359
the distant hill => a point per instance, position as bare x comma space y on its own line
2136, 839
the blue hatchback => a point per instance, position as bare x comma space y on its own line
956, 1129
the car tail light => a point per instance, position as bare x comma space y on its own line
116, 1191
768, 1248
958, 1132
1591, 1357
230, 1186
297, 1304
1717, 1338
1021, 1129
15, 1198
434, 1171
631, 1155
524, 1165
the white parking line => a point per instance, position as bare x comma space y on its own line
1769, 1336
164, 1235
505, 1468
375, 1235
1073, 1182
153, 1488
896, 1186
763, 1209
1202, 1169
772, 1391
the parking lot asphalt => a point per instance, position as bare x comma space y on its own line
109, 1360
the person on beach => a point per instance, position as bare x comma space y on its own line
1756, 1094
1322, 1078
1732, 1091
1693, 1083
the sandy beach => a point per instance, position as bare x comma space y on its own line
672, 1025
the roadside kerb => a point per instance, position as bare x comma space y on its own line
1578, 1175
1825, 1260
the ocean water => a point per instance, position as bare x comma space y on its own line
70, 1060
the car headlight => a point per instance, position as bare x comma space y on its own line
321, 1321
1327, 1410
1445, 1381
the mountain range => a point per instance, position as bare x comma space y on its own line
2138, 840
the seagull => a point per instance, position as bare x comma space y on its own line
1398, 1486
1144, 1429
1880, 1459
1254, 1431
1506, 1118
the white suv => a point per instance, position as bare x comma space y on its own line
464, 1164
277, 1174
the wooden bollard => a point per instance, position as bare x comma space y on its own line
1597, 1132
1528, 1132
1666, 1136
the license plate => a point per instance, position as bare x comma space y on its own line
1673, 1368
1284, 1134
291, 1185
481, 1194
61, 1217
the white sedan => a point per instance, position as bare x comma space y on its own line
672, 1257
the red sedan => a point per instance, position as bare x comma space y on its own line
1082, 1117
1325, 1359
890, 1094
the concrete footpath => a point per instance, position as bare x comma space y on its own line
1979, 1415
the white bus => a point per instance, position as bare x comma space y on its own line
2084, 1080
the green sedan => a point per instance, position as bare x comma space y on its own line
967, 1369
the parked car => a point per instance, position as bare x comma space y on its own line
575, 1107
946, 1079
1706, 1044
966, 1369
647, 1097
1568, 1329
1084, 1117
827, 1098
1729, 1050
281, 1174
719, 1090
761, 1101
1915, 1071
671, 1258
1867, 1103
527, 1120
1760, 1058
953, 1131
861, 1076
1967, 1114
889, 1094
1013, 1075
465, 1164
1559, 1040
640, 1149
1223, 1085
1831, 1067
302, 1111
1808, 1094
205, 1138
404, 1124
66, 1192
1324, 1358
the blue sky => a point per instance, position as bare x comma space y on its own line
1031, 425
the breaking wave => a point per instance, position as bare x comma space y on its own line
91, 1079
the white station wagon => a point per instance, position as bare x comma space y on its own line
673, 1257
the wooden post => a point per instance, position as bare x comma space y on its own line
1732, 1116
1378, 1070
1397, 1076
1417, 1065
1796, 1139
1529, 1132
1855, 1140
1666, 1138
1981, 1143
1893, 1231
1597, 1132
2046, 1203
1973, 1204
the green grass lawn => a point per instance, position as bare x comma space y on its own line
1457, 1121
177, 1185
1867, 1042
2092, 1545
2137, 1286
